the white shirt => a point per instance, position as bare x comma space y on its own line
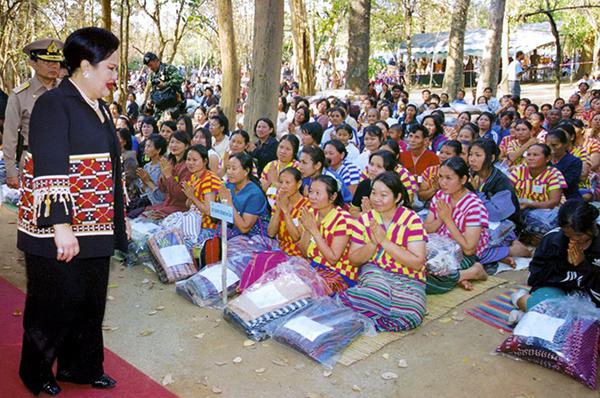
514, 69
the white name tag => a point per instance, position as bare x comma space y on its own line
307, 327
176, 255
538, 189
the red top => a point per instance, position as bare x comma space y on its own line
427, 158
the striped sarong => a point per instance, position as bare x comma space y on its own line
393, 301
442, 284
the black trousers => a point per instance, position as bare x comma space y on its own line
62, 320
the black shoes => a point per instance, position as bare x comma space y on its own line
51, 388
104, 381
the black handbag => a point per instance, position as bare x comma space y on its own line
165, 98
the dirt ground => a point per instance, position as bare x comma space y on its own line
196, 348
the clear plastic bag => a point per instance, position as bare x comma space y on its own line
322, 330
444, 255
560, 334
280, 292
173, 258
139, 253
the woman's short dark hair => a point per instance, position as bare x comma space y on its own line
127, 122
159, 142
458, 166
393, 145
305, 112
88, 44
125, 135
339, 147
332, 188
392, 180
373, 131
490, 149
523, 122
579, 216
540, 115
455, 145
269, 123
170, 124
315, 130
390, 161
545, 148
243, 133
189, 126
207, 136
473, 128
347, 128
202, 151
152, 122
571, 108
316, 155
559, 135
490, 117
294, 172
294, 142
223, 122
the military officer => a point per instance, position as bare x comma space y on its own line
163, 78
45, 57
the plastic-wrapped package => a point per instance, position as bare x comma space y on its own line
443, 255
322, 330
174, 261
9, 196
139, 253
560, 334
281, 291
205, 287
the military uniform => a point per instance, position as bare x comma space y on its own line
170, 77
20, 104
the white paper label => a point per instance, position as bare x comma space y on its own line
538, 325
143, 227
271, 191
266, 296
494, 225
295, 222
213, 274
176, 255
538, 189
307, 327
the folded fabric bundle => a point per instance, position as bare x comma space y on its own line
173, 258
560, 334
256, 329
279, 292
322, 330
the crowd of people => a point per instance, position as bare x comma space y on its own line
355, 187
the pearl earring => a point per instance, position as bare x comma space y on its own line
86, 74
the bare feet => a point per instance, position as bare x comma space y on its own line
475, 273
518, 249
466, 285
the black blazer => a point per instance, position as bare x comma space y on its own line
60, 187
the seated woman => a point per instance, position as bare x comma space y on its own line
429, 179
514, 149
408, 180
567, 164
459, 214
287, 149
590, 171
392, 242
485, 122
499, 197
173, 171
202, 187
167, 128
147, 182
148, 127
284, 224
264, 149
203, 137
373, 137
380, 162
326, 234
311, 135
539, 189
565, 261
242, 191
437, 136
468, 133
313, 164
336, 154
238, 143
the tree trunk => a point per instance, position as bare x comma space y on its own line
124, 67
558, 61
357, 74
106, 15
505, 53
229, 62
490, 63
266, 62
304, 65
596, 54
453, 77
408, 23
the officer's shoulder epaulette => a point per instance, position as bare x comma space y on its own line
22, 87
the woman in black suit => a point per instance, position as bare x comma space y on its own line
71, 218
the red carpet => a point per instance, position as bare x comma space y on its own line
131, 382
